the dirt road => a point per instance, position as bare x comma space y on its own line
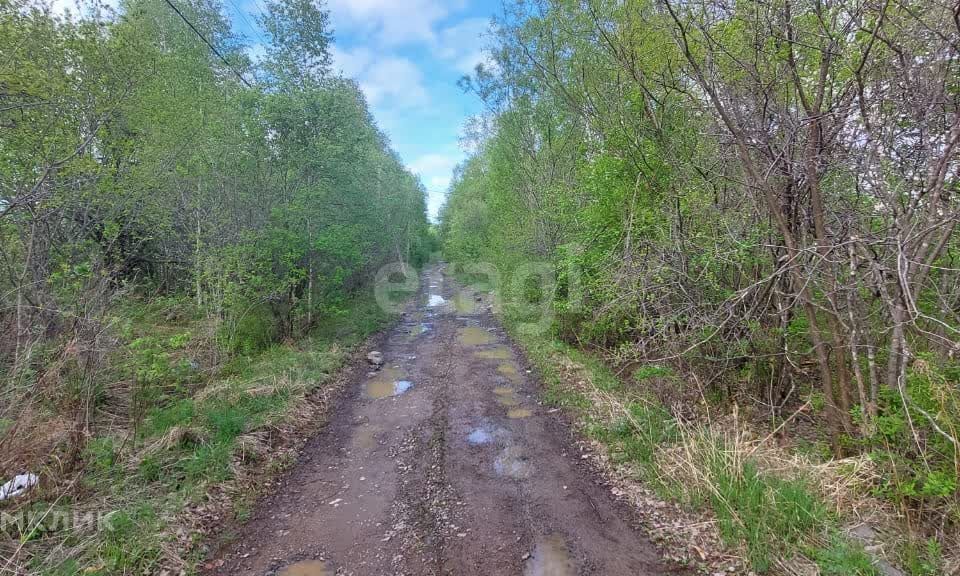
442, 462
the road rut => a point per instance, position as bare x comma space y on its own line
442, 462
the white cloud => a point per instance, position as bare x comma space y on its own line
351, 62
435, 200
391, 22
394, 82
439, 182
378, 35
389, 82
430, 165
462, 44
469, 62
436, 171
83, 7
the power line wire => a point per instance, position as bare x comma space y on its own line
260, 8
207, 42
254, 29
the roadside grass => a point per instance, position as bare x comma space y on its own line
774, 518
198, 429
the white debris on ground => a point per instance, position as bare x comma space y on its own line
375, 358
18, 486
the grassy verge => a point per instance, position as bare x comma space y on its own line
200, 441
773, 517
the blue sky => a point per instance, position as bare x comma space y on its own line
407, 56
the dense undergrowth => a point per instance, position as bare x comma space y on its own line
189, 240
771, 509
200, 430
748, 211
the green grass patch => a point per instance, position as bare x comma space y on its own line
760, 511
840, 557
922, 558
188, 430
766, 516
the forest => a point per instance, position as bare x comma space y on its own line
722, 235
747, 212
169, 210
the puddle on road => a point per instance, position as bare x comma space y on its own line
496, 353
307, 568
387, 383
508, 397
474, 336
509, 370
512, 463
420, 328
508, 401
479, 436
465, 304
436, 300
519, 413
551, 557
416, 330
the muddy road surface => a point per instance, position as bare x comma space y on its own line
442, 462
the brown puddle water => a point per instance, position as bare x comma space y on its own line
507, 400
518, 413
387, 383
550, 558
508, 397
307, 568
474, 336
496, 353
464, 303
508, 370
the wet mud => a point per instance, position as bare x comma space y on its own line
442, 462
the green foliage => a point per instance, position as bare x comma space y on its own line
209, 462
930, 478
840, 557
101, 456
178, 413
154, 363
767, 516
638, 438
131, 543
651, 371
922, 558
280, 197
250, 331
151, 205
664, 162
761, 511
188, 440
